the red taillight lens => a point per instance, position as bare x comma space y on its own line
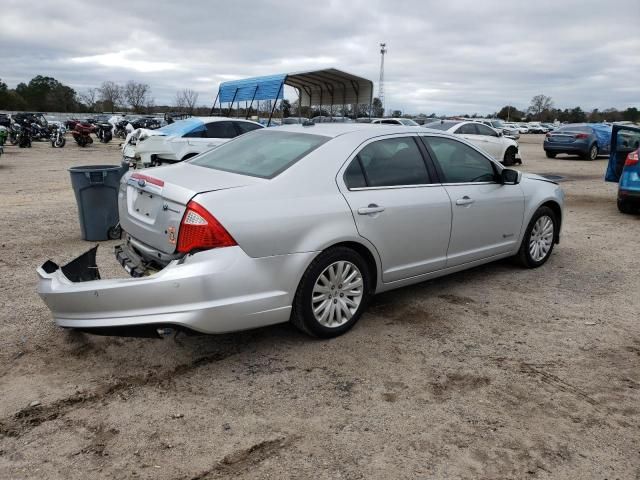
200, 230
632, 159
548, 135
582, 135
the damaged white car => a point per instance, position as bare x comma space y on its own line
182, 139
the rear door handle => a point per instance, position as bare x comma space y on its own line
371, 209
465, 201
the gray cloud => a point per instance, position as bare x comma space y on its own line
444, 57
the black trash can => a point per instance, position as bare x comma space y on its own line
96, 189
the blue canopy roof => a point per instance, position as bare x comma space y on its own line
256, 88
319, 87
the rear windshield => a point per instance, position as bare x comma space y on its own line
181, 127
261, 153
575, 128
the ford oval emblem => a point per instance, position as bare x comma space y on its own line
142, 182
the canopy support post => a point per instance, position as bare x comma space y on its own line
214, 103
275, 103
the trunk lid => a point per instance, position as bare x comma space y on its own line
152, 202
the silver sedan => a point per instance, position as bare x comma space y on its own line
303, 224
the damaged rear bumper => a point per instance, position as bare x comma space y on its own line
214, 291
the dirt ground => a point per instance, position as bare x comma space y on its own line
497, 372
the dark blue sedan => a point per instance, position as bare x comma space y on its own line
583, 139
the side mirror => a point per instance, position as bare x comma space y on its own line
510, 177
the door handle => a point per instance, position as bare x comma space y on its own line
465, 201
371, 209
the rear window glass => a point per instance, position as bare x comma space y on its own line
262, 153
440, 125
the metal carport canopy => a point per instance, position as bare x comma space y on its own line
318, 87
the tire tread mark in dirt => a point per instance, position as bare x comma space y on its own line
30, 417
243, 459
558, 383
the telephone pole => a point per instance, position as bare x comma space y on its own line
383, 50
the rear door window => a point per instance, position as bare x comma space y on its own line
467, 129
388, 163
221, 130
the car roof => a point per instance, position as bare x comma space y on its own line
365, 129
221, 119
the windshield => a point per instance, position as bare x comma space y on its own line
409, 122
260, 153
497, 124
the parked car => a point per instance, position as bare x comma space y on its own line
550, 126
624, 166
182, 139
294, 120
500, 126
537, 127
328, 119
522, 127
503, 149
407, 122
304, 224
586, 140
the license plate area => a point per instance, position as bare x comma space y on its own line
144, 205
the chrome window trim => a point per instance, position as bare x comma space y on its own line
395, 187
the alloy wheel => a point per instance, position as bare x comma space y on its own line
337, 294
541, 238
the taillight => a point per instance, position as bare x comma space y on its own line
632, 159
548, 135
582, 135
199, 230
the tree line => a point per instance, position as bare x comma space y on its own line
46, 94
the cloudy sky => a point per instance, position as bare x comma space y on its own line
444, 57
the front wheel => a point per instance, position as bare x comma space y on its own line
539, 238
625, 206
592, 154
332, 293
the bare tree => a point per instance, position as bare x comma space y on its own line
89, 98
540, 103
186, 99
111, 94
136, 94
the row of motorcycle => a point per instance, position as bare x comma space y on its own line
22, 129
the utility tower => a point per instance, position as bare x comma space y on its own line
383, 50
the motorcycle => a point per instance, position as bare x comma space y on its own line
57, 136
103, 132
24, 136
120, 130
81, 134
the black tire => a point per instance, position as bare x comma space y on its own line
509, 157
115, 233
592, 153
302, 313
625, 206
524, 255
550, 154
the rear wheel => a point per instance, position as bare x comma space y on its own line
537, 243
509, 157
550, 154
332, 294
